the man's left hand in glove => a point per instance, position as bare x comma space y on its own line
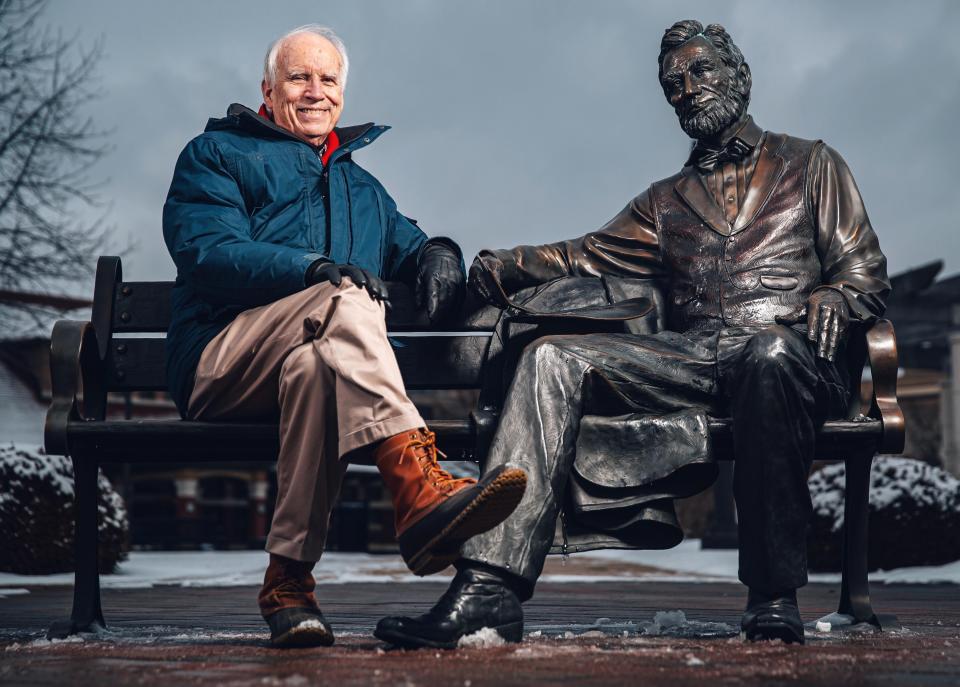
440, 280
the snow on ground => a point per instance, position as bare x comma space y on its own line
224, 569
718, 565
484, 638
12, 591
684, 563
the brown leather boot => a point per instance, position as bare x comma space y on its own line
436, 513
289, 606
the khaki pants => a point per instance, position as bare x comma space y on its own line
321, 360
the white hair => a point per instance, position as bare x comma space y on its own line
270, 61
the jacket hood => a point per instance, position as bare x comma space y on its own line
242, 118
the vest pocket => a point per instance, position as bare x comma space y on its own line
748, 280
779, 282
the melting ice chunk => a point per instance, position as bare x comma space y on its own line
675, 624
484, 638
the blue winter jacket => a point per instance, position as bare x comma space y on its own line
250, 208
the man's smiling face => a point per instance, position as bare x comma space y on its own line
307, 96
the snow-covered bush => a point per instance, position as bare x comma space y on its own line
36, 514
914, 515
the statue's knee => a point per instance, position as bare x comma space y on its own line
774, 348
554, 348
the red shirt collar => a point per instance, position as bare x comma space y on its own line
332, 142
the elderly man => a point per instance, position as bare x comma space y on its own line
764, 253
282, 243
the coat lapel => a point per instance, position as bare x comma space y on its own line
691, 188
766, 175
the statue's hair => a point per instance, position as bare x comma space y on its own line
270, 60
687, 29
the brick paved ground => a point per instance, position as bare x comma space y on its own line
190, 636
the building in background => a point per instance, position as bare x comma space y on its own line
926, 315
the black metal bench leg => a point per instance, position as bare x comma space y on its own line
855, 608
855, 587
86, 615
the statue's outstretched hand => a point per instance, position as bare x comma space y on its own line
484, 269
828, 318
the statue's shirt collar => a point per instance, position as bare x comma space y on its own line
740, 144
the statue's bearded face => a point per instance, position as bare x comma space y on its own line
707, 95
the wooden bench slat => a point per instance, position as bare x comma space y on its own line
145, 306
426, 362
179, 442
184, 441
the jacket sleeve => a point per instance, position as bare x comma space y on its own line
850, 255
207, 231
404, 242
626, 246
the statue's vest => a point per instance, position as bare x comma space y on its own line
763, 265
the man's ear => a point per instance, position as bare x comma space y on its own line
744, 79
267, 91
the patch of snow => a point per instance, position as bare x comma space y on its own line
295, 680
676, 624
709, 565
484, 638
687, 561
311, 624
44, 643
13, 591
20, 464
949, 573
893, 481
145, 569
823, 626
694, 661
204, 636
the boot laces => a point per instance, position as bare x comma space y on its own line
424, 446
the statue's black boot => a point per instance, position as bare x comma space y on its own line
478, 597
772, 616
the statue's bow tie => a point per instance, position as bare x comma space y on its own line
706, 159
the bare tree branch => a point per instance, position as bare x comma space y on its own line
47, 151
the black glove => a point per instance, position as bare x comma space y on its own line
325, 270
480, 278
440, 280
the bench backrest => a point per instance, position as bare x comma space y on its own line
130, 319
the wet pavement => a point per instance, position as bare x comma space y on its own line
576, 634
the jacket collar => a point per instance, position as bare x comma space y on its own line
242, 117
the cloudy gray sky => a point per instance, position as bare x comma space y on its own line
528, 121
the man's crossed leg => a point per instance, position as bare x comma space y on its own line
321, 361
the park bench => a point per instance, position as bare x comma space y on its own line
121, 350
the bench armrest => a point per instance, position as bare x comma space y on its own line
882, 356
76, 381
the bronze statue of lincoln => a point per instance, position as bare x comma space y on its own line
765, 256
